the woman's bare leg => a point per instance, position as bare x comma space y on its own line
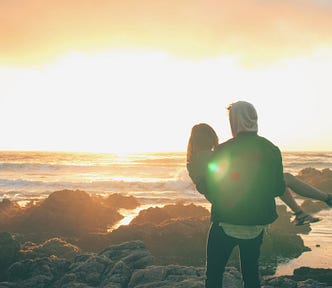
301, 217
304, 189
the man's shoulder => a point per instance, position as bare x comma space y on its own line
224, 144
259, 140
267, 142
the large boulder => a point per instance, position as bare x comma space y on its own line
8, 209
321, 179
9, 251
117, 200
318, 274
66, 213
157, 215
55, 246
174, 276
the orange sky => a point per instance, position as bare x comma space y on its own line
255, 29
132, 76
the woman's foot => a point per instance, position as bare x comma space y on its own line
302, 218
329, 200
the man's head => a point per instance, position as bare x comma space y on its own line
242, 117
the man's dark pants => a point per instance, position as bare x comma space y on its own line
219, 249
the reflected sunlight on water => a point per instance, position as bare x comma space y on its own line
319, 240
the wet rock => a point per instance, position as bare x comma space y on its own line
311, 284
9, 251
8, 209
110, 268
178, 211
129, 265
66, 213
321, 179
311, 206
117, 201
179, 276
117, 276
319, 274
282, 281
37, 272
167, 277
133, 253
90, 270
55, 246
169, 241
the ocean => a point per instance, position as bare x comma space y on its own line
155, 179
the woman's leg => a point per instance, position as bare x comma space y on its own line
301, 217
249, 255
219, 249
304, 189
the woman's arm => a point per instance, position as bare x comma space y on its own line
289, 200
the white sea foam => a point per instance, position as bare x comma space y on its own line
34, 173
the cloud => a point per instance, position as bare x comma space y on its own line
255, 30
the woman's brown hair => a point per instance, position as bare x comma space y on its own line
202, 137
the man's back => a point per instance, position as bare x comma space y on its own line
246, 175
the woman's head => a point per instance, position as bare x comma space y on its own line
202, 138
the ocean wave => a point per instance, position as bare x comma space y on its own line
114, 185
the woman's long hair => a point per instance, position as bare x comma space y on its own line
202, 138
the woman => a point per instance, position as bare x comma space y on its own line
202, 142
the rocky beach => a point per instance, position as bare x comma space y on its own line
65, 241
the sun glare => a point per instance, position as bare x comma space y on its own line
125, 97
143, 101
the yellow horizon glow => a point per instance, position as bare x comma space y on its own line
143, 101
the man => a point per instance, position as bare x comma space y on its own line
246, 174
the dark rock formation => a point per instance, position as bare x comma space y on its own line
8, 209
318, 274
65, 213
313, 206
320, 179
130, 265
183, 241
178, 211
55, 246
9, 251
117, 201
113, 267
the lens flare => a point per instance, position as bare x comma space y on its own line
219, 167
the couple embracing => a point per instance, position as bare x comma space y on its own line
241, 178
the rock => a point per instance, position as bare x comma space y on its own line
167, 277
111, 268
9, 251
168, 242
179, 276
319, 274
117, 201
283, 282
130, 265
8, 209
118, 276
90, 270
66, 213
311, 284
38, 272
178, 211
320, 179
55, 246
311, 206
133, 253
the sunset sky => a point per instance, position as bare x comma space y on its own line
135, 76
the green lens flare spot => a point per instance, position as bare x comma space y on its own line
213, 167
